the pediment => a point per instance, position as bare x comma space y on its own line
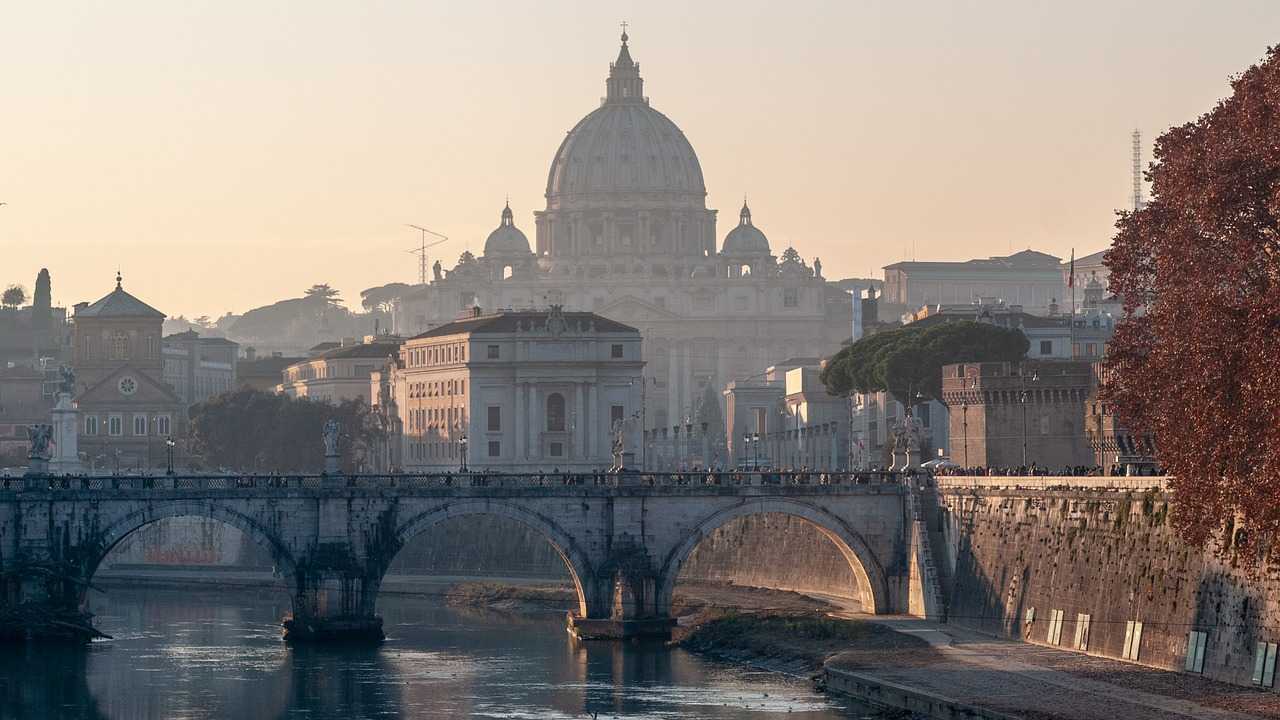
631, 308
107, 390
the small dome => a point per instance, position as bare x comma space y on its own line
507, 239
746, 238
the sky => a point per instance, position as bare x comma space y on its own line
224, 154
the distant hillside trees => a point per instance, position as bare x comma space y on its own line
908, 361
1193, 360
254, 431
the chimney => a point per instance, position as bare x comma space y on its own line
251, 353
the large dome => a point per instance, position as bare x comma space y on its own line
624, 147
507, 238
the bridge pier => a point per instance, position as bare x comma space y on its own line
337, 608
623, 607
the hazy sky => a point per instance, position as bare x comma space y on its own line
225, 154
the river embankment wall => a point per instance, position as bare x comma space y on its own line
1102, 570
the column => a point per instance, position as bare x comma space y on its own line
672, 383
580, 429
533, 450
517, 423
598, 418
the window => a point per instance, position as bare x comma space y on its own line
555, 412
1091, 349
495, 448
1082, 631
1054, 636
740, 303
495, 418
119, 346
162, 425
1132, 639
139, 424
556, 449
790, 297
492, 352
615, 415
1046, 347
1264, 665
115, 425
90, 425
615, 351
1196, 641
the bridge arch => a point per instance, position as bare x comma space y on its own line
574, 559
873, 591
152, 512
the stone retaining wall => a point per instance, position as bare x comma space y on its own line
1016, 555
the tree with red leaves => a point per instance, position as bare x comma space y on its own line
1195, 361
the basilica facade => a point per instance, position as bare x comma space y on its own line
626, 234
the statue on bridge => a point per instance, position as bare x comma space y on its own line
331, 436
67, 380
619, 444
40, 437
906, 444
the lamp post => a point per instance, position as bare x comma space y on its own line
1023, 397
168, 446
462, 452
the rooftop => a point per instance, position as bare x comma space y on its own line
1025, 260
119, 303
509, 321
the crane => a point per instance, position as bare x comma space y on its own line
421, 250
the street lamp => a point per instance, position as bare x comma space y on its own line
168, 445
1023, 397
462, 452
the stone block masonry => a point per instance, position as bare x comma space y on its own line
1101, 570
624, 546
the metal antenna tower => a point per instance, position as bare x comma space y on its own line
421, 250
1137, 171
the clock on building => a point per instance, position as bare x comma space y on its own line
127, 385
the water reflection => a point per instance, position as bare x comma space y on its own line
192, 655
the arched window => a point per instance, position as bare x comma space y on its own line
555, 412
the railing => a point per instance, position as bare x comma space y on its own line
410, 481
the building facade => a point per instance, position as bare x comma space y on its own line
517, 391
1012, 415
198, 368
785, 418
341, 373
262, 372
127, 410
1049, 337
626, 234
1031, 279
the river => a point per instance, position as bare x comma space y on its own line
194, 654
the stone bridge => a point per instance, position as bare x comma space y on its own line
622, 538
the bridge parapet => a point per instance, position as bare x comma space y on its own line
1054, 482
446, 480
